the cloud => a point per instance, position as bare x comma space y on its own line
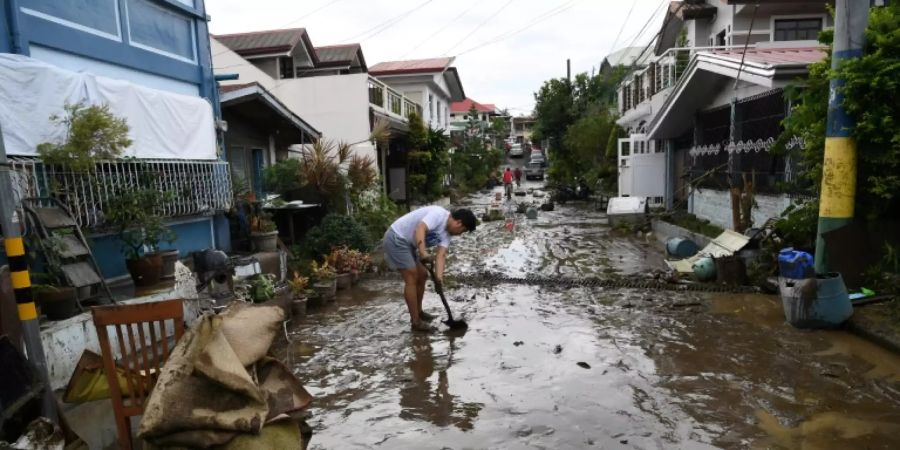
505, 72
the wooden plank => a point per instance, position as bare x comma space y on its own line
72, 247
80, 274
54, 218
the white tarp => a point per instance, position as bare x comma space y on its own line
163, 125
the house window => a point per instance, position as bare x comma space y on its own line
430, 108
157, 29
286, 67
797, 29
89, 15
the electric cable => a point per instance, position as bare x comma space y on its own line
447, 25
478, 27
371, 32
535, 21
622, 28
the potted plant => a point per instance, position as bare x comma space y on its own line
264, 233
300, 290
344, 262
167, 257
53, 295
133, 214
325, 285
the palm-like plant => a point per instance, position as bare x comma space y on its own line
361, 173
321, 163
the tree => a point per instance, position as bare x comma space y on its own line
428, 160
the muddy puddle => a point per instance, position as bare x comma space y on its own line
549, 368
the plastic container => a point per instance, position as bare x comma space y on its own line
705, 269
795, 264
820, 302
681, 247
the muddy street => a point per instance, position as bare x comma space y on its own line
559, 368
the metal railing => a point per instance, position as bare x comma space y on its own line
661, 73
199, 187
390, 101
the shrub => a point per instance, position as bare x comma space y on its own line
283, 177
336, 231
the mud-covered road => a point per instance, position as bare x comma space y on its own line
560, 368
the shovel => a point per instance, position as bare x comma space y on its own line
439, 288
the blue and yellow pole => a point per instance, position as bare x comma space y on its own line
21, 283
836, 200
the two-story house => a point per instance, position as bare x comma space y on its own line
148, 60
460, 116
703, 113
433, 83
330, 87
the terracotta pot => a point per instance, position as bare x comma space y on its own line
326, 289
145, 271
169, 257
58, 304
344, 280
265, 242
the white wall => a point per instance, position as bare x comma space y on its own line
419, 87
226, 61
77, 63
336, 105
715, 206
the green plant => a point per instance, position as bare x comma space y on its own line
134, 214
299, 284
93, 134
322, 272
320, 167
283, 177
376, 212
361, 174
336, 231
262, 288
262, 223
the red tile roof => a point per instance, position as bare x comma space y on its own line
411, 66
776, 56
465, 105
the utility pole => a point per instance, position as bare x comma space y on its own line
569, 70
836, 202
21, 283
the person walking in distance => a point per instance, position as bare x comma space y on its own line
518, 175
507, 183
406, 243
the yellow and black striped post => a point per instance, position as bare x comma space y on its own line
21, 282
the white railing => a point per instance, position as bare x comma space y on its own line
199, 187
391, 102
661, 73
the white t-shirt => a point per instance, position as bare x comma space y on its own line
435, 218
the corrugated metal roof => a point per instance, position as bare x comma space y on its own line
411, 66
234, 87
465, 105
332, 54
775, 57
259, 42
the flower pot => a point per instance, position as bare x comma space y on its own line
298, 306
326, 289
344, 280
57, 304
145, 271
265, 242
169, 257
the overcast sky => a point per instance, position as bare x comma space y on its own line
539, 34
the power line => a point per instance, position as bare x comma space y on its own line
447, 25
647, 23
478, 27
387, 23
540, 18
310, 13
622, 28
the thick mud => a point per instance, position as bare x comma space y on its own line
543, 367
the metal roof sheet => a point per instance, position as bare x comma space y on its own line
466, 105
332, 54
411, 66
257, 42
775, 57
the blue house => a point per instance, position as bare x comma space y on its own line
150, 60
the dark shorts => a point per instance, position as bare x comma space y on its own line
398, 252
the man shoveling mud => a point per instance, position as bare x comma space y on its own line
406, 245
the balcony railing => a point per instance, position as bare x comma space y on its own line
662, 72
391, 102
199, 187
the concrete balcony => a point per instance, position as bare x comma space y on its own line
391, 103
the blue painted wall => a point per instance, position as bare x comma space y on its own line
192, 236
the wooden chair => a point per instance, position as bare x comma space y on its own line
143, 350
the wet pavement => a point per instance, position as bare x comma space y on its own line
559, 368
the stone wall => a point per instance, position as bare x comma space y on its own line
715, 206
